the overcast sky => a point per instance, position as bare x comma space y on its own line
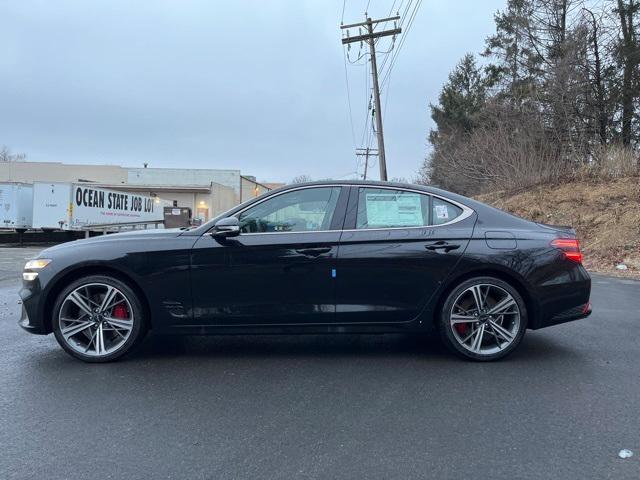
252, 85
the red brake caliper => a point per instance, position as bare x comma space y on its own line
462, 328
120, 311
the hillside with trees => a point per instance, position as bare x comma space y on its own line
545, 122
554, 93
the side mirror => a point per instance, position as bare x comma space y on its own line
226, 227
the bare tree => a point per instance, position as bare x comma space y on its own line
510, 149
562, 87
595, 70
399, 180
629, 54
7, 156
301, 179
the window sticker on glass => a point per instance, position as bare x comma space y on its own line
403, 210
442, 212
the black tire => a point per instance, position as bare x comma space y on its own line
138, 330
448, 336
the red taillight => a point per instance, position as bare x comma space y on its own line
570, 248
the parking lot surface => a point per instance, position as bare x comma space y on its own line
389, 406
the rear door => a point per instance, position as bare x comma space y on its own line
397, 246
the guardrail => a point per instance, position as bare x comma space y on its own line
119, 227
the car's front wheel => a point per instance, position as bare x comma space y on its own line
483, 318
98, 318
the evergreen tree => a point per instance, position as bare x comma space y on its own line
459, 103
563, 81
516, 65
462, 97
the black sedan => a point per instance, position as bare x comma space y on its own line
322, 257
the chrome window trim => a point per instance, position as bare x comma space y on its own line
466, 211
237, 214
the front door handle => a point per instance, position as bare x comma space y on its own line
313, 252
441, 245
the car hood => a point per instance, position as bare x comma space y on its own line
149, 234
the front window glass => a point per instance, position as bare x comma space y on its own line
386, 208
305, 210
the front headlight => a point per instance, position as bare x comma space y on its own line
36, 264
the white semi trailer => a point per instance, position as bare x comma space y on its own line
16, 205
77, 206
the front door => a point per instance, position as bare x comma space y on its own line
398, 245
280, 269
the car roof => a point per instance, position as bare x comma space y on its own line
347, 182
378, 183
480, 208
360, 183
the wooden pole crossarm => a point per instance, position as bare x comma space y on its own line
368, 36
388, 19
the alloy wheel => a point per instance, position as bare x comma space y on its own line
485, 319
96, 319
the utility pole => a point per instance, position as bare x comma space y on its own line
366, 153
370, 36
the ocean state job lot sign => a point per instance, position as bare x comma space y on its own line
96, 205
73, 206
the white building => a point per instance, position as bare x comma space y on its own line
207, 192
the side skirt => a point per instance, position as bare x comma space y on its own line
294, 329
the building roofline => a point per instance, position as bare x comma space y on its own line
255, 181
155, 188
189, 169
123, 167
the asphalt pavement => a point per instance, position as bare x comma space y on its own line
362, 407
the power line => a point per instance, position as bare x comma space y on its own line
367, 102
402, 20
402, 40
391, 9
386, 93
346, 78
404, 15
357, 60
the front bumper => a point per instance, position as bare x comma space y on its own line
32, 318
25, 323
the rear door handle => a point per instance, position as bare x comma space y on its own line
441, 245
313, 252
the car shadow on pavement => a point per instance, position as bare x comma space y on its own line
535, 347
284, 345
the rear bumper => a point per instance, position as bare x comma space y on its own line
564, 297
576, 313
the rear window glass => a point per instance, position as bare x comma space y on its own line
386, 208
444, 212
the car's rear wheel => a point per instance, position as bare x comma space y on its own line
98, 319
483, 318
